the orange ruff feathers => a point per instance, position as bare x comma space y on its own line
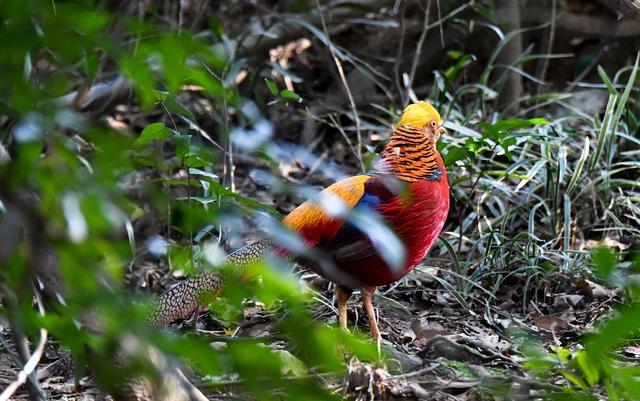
312, 221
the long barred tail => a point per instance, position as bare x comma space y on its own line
182, 300
251, 253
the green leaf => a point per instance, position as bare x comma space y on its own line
207, 174
575, 379
455, 54
199, 156
615, 108
604, 261
589, 369
563, 354
454, 154
603, 131
216, 26
142, 77
452, 72
502, 127
290, 95
290, 364
624, 325
174, 106
607, 81
577, 172
505, 144
181, 145
153, 132
475, 146
273, 88
612, 392
566, 231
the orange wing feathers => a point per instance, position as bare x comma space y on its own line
311, 219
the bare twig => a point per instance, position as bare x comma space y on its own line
338, 126
440, 18
31, 363
510, 82
423, 36
550, 40
290, 28
452, 14
398, 62
592, 25
413, 373
627, 8
343, 78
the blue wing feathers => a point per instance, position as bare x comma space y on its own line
376, 193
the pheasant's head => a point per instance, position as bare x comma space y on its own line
411, 154
424, 117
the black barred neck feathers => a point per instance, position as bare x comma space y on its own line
409, 156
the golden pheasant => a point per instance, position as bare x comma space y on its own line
408, 190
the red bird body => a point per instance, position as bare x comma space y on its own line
416, 216
408, 191
417, 220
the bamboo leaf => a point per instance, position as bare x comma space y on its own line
577, 172
605, 78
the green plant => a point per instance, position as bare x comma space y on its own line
91, 180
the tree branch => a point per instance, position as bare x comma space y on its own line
626, 8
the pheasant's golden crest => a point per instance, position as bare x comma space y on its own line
418, 114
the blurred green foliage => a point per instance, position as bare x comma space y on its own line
600, 365
89, 185
81, 171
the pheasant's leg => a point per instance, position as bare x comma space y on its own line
367, 295
343, 294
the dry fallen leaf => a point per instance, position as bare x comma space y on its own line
424, 328
606, 242
551, 323
408, 336
593, 290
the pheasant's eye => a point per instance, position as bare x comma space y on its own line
433, 124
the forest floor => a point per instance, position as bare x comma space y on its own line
441, 340
447, 333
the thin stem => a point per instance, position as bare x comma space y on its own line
30, 364
552, 34
346, 86
423, 36
396, 66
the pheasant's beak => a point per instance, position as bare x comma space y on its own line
439, 131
